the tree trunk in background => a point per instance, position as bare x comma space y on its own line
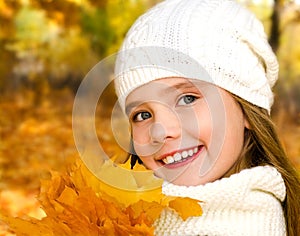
278, 113
275, 21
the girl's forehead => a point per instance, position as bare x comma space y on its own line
171, 84
175, 81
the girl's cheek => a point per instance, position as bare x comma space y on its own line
196, 120
142, 143
140, 135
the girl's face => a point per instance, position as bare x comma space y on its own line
188, 132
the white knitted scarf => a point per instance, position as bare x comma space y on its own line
247, 203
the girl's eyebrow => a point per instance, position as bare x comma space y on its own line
131, 105
180, 86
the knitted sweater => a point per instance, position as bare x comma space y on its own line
247, 203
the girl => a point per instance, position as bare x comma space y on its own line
195, 79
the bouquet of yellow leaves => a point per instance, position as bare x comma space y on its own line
78, 203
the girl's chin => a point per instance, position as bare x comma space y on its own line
178, 177
185, 182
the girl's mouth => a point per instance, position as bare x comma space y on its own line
181, 157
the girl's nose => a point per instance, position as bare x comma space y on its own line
166, 126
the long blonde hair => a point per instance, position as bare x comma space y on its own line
263, 147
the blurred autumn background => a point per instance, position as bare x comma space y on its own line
46, 49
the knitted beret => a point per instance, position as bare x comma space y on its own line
218, 41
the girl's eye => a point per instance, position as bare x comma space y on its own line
187, 99
141, 116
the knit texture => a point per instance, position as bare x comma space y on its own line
247, 203
218, 41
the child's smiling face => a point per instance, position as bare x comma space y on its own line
188, 132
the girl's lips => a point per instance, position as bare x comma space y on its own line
180, 158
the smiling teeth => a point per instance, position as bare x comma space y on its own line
179, 156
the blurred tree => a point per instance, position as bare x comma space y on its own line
31, 34
68, 58
281, 20
59, 41
66, 12
5, 68
95, 26
107, 22
274, 31
289, 57
121, 15
47, 52
7, 12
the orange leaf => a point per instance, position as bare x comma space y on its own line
68, 196
144, 212
186, 207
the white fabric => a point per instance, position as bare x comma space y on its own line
221, 36
247, 203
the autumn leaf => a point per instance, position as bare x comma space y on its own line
77, 203
81, 177
186, 207
144, 212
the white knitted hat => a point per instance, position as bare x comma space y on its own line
218, 41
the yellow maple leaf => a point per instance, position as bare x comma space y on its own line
186, 207
131, 191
